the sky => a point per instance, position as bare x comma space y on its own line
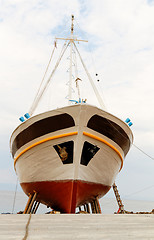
120, 50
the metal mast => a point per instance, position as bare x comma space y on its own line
70, 76
70, 41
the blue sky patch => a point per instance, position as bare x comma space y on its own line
151, 2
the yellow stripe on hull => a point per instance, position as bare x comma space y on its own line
44, 140
107, 143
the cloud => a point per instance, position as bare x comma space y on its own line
7, 176
121, 39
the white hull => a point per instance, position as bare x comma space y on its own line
42, 163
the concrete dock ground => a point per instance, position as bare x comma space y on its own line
77, 226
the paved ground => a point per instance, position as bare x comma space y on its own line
79, 226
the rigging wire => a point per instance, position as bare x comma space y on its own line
125, 196
143, 152
93, 65
32, 109
91, 81
77, 79
89, 48
38, 96
131, 143
142, 190
103, 97
15, 193
51, 75
75, 65
35, 99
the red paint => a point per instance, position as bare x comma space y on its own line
65, 196
119, 210
74, 197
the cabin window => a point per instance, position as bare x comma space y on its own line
111, 130
42, 127
65, 151
88, 152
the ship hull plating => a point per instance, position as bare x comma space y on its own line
71, 155
65, 196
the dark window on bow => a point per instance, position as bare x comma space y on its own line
65, 151
88, 152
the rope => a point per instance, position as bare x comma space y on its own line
27, 227
143, 189
15, 196
33, 104
48, 81
86, 36
103, 94
143, 152
42, 79
125, 196
132, 143
91, 81
76, 75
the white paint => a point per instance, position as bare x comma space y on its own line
42, 163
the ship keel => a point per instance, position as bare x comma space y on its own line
66, 195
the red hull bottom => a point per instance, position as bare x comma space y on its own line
65, 196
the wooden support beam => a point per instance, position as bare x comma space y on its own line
33, 207
28, 202
31, 203
119, 201
36, 207
85, 209
93, 208
88, 208
98, 205
29, 206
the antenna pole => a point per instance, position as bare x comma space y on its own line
72, 26
70, 42
71, 49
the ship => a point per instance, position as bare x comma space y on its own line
70, 155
